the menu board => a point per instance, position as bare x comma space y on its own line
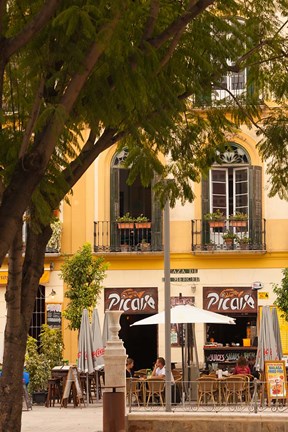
283, 324
53, 315
275, 377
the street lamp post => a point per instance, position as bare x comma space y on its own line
167, 304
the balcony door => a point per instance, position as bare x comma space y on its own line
229, 190
134, 199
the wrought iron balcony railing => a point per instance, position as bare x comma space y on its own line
228, 235
125, 237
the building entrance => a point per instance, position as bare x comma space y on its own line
140, 344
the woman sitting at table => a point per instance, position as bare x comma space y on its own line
242, 367
129, 368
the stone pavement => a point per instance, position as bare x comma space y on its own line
86, 419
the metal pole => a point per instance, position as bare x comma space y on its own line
167, 304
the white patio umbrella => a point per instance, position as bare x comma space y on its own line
98, 347
183, 314
267, 347
86, 357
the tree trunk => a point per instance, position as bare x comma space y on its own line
21, 292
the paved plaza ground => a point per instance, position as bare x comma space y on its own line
86, 419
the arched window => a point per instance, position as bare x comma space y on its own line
235, 186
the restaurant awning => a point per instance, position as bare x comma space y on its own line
4, 277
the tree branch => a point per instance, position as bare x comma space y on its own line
181, 22
34, 26
32, 119
151, 20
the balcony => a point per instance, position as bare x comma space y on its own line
229, 236
130, 237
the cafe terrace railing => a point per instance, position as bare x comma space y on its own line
253, 399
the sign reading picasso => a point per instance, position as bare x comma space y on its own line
131, 300
230, 300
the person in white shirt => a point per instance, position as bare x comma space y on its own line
159, 369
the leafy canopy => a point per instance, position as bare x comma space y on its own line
282, 294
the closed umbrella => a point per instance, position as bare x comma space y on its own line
267, 347
106, 334
86, 357
276, 329
98, 347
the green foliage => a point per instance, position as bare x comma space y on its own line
40, 361
83, 276
229, 235
218, 215
142, 218
125, 218
282, 294
238, 216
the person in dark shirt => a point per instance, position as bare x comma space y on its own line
129, 368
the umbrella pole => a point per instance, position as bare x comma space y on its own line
87, 388
195, 346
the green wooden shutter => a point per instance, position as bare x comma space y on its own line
255, 207
114, 208
156, 227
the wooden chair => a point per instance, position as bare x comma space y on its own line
133, 388
155, 388
207, 389
235, 388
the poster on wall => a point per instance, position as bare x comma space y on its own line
54, 315
177, 332
275, 377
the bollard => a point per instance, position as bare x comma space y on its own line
113, 411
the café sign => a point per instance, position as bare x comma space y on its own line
131, 300
230, 300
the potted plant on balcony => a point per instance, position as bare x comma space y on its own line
144, 245
215, 219
243, 242
142, 222
210, 245
238, 219
126, 221
229, 238
54, 244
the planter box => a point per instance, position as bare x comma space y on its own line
142, 225
238, 223
39, 398
125, 225
217, 224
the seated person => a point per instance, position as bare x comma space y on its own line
129, 368
242, 367
159, 371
